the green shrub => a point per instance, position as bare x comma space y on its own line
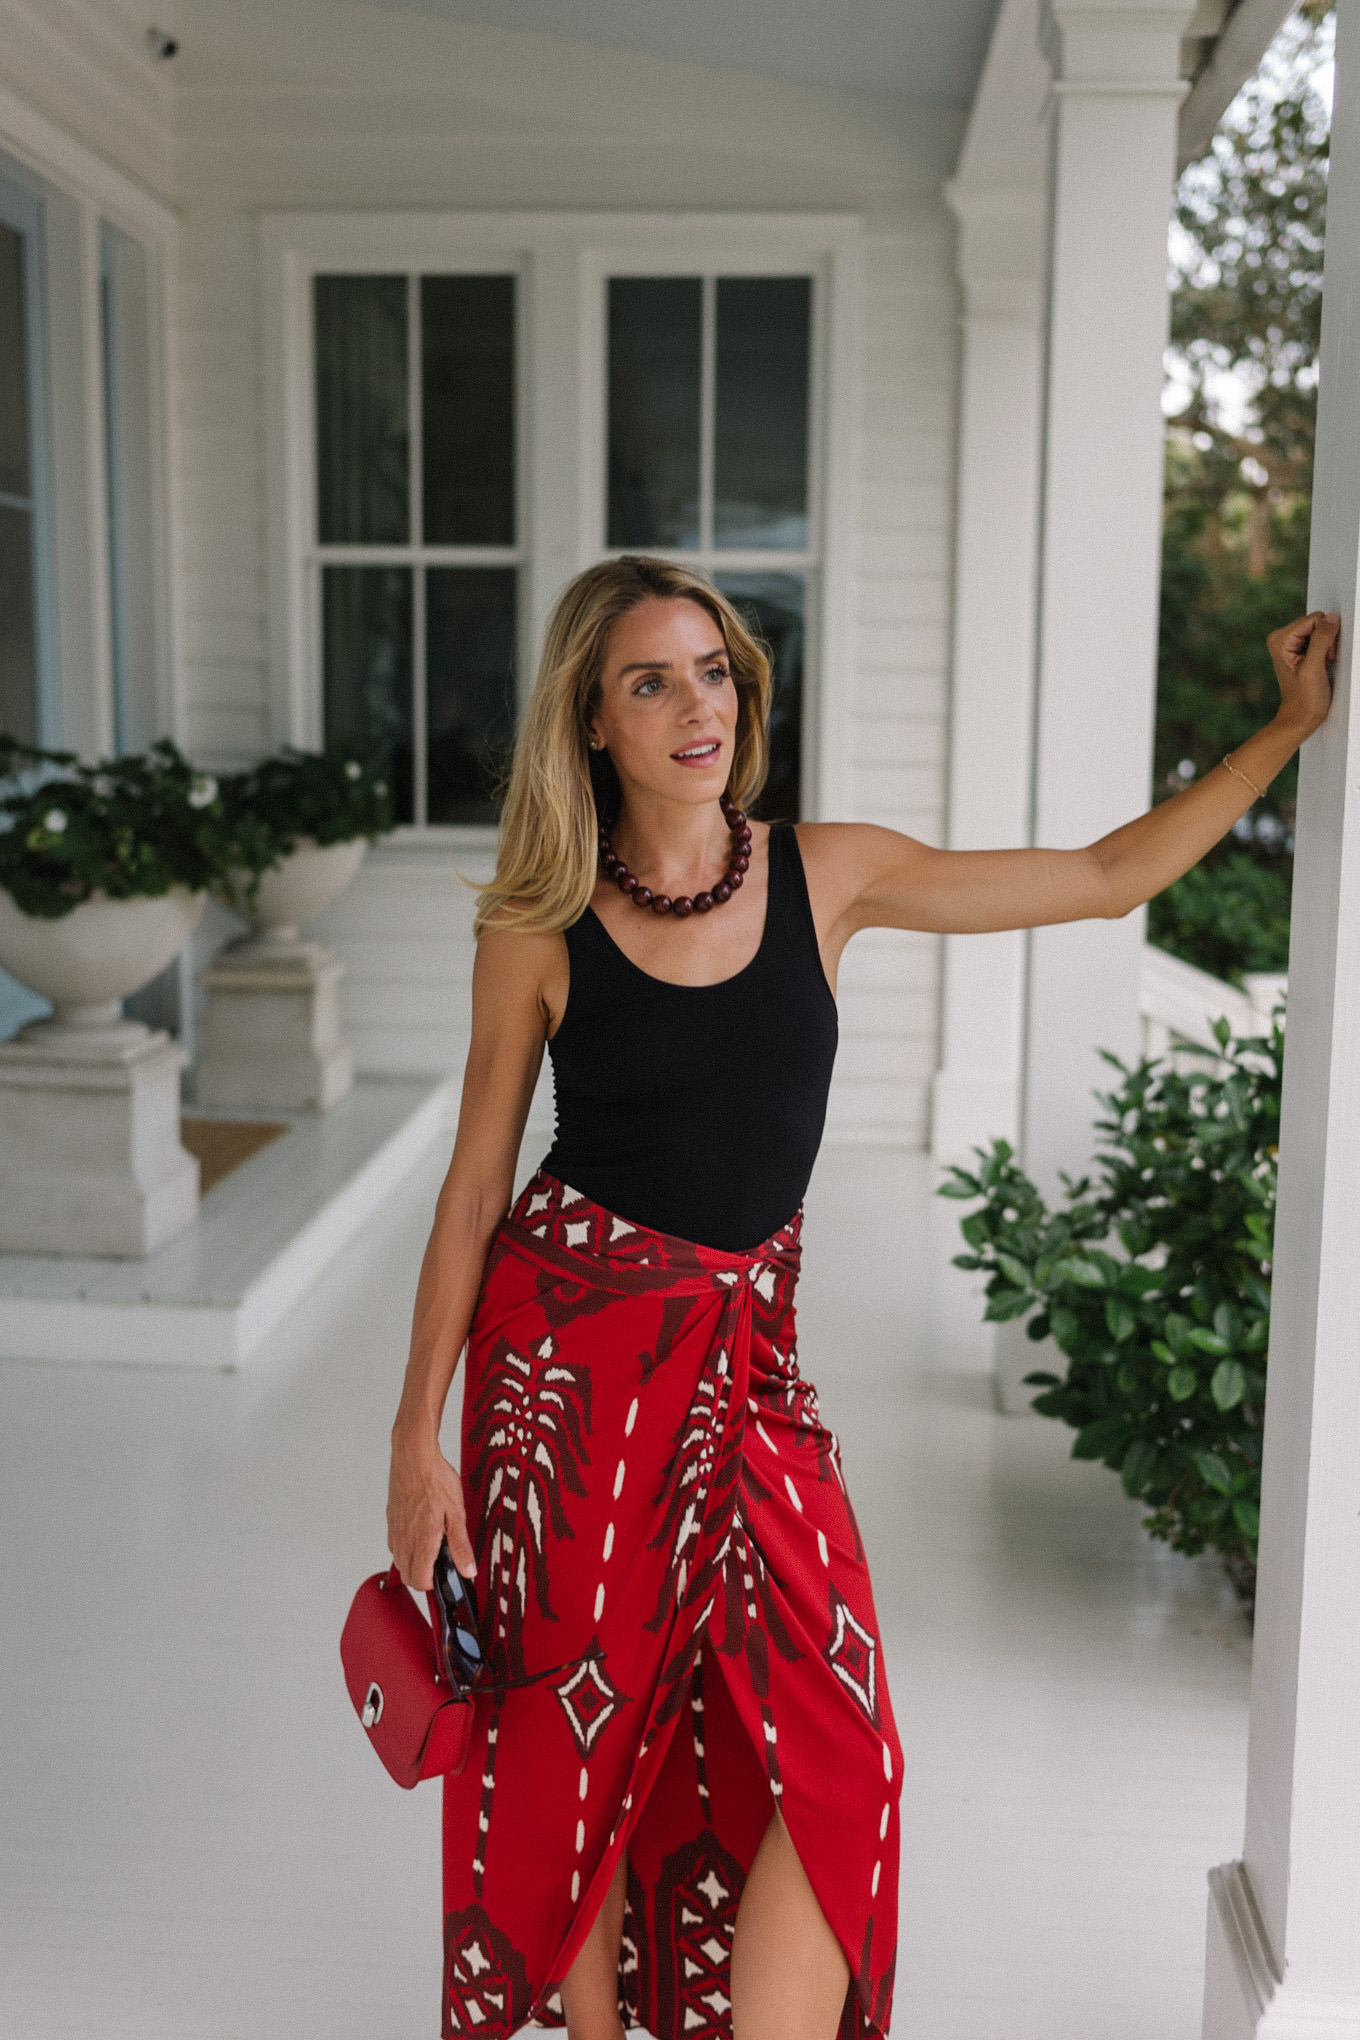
1228, 918
1154, 1280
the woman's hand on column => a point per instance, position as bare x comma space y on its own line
425, 1505
1302, 654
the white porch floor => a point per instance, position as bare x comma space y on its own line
195, 1844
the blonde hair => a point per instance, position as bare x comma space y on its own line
558, 789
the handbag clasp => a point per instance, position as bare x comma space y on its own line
371, 1713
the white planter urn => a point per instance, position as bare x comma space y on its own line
90, 1155
273, 1040
307, 881
91, 959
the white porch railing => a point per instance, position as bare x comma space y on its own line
1179, 1003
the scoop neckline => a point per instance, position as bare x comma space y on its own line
717, 985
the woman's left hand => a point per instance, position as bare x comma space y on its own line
1303, 653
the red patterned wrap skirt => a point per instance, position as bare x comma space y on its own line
655, 1503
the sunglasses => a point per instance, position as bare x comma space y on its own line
462, 1661
461, 1658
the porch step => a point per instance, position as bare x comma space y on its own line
209, 1297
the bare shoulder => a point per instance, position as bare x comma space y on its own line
847, 846
845, 861
520, 969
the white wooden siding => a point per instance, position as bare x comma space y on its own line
221, 489
404, 930
897, 695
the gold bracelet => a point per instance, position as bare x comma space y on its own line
1228, 766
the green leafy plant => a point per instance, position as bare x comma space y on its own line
130, 827
324, 795
1154, 1281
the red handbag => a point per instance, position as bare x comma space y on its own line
419, 1726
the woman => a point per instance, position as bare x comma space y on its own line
692, 1818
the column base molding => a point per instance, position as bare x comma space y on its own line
1174, 89
1244, 1996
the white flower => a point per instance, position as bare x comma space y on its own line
54, 821
380, 786
203, 790
353, 771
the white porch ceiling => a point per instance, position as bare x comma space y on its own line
927, 50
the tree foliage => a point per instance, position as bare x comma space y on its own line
1247, 266
1229, 918
1246, 246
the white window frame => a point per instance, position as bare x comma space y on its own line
415, 553
79, 191
707, 556
562, 261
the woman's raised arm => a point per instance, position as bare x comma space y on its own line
509, 1027
889, 880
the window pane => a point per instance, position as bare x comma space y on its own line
760, 448
773, 607
470, 688
14, 477
362, 426
655, 351
366, 670
467, 327
18, 651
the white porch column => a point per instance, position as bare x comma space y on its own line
998, 198
1115, 96
1284, 1924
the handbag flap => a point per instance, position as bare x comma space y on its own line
392, 1674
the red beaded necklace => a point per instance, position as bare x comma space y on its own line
662, 903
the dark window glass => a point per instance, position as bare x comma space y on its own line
470, 689
760, 449
655, 351
14, 476
362, 411
366, 670
18, 650
773, 608
467, 326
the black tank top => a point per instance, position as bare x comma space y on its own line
697, 1110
